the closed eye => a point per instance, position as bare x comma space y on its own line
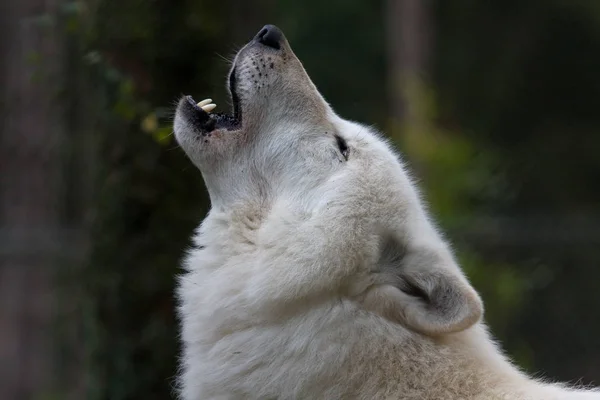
342, 146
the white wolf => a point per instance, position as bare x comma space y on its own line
317, 273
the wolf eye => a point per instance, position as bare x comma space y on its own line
342, 145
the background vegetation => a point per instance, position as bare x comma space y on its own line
495, 104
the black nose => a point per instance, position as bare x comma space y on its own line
270, 35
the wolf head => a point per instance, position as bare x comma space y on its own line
279, 134
284, 147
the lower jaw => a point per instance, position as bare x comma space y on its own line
226, 121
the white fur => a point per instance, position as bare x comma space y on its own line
318, 277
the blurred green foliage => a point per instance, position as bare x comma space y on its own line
506, 123
135, 57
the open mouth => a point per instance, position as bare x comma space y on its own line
205, 121
199, 114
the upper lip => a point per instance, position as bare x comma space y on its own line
235, 100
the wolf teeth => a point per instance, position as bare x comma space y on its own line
207, 105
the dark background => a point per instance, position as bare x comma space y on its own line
495, 104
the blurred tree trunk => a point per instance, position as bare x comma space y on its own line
409, 44
30, 194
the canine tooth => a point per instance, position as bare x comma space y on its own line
208, 107
204, 102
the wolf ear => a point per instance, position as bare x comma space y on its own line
425, 290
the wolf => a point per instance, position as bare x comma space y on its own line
318, 273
